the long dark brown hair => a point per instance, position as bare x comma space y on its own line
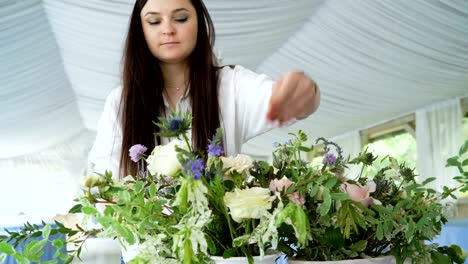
142, 99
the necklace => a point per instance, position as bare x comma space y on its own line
172, 88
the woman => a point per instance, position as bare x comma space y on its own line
169, 65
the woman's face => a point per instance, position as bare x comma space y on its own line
170, 29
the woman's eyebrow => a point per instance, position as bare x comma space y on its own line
175, 11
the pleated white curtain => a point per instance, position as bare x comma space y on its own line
438, 137
375, 60
38, 107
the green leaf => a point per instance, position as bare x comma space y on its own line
327, 201
6, 248
46, 232
124, 197
388, 225
372, 220
380, 232
241, 240
453, 162
421, 223
2, 258
58, 243
333, 237
34, 247
321, 178
359, 246
339, 196
53, 261
314, 191
410, 231
465, 163
152, 190
88, 210
124, 232
182, 196
76, 209
211, 246
463, 148
349, 217
21, 259
428, 180
301, 224
456, 254
440, 258
331, 182
305, 149
67, 259
231, 252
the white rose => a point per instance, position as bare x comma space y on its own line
248, 203
240, 163
163, 160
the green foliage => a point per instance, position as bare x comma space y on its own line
382, 211
241, 208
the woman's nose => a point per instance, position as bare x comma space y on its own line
168, 29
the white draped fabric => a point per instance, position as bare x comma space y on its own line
373, 60
61, 58
438, 137
38, 106
40, 185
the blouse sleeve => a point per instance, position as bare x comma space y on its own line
105, 152
253, 92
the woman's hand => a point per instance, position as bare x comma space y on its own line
295, 95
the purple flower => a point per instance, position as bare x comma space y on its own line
215, 149
276, 144
329, 159
194, 168
175, 124
136, 152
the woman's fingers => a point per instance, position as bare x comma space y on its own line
292, 97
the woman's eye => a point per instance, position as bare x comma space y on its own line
181, 19
154, 22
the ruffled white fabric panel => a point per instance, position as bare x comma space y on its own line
37, 103
439, 137
375, 60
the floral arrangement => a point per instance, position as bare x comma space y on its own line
185, 206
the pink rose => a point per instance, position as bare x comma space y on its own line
296, 198
360, 193
280, 185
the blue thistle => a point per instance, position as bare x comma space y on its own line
175, 124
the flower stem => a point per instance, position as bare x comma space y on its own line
187, 142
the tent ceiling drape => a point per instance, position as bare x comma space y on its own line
373, 60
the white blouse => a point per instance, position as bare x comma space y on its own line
243, 99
